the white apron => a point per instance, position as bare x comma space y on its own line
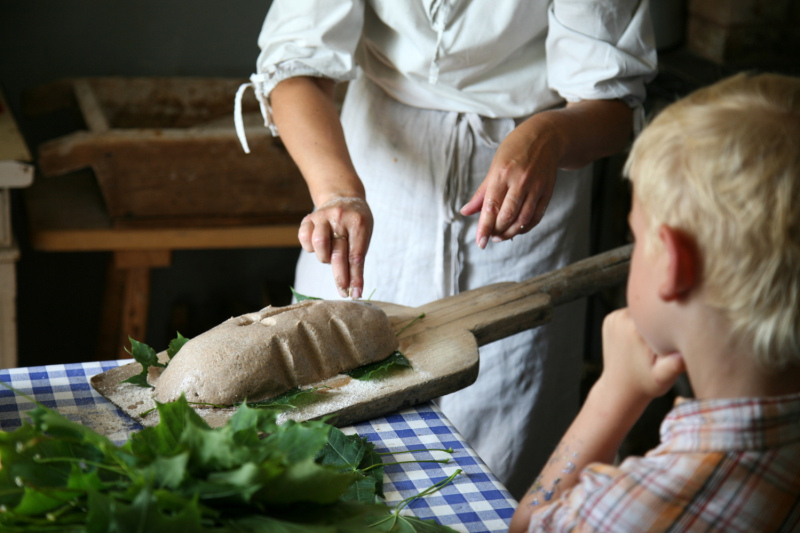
419, 167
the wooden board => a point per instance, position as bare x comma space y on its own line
442, 347
67, 214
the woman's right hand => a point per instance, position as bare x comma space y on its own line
339, 229
338, 232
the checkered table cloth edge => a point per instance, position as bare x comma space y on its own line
474, 502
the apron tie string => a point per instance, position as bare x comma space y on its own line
257, 84
465, 129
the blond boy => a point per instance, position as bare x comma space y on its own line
714, 290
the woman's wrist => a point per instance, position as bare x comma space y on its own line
330, 196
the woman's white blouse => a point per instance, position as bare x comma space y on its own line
497, 59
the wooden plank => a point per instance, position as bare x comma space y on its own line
8, 309
142, 259
67, 214
90, 106
12, 144
126, 300
181, 173
167, 147
15, 174
82, 240
109, 345
135, 306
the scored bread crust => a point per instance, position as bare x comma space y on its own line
261, 355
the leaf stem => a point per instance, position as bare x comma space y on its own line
427, 492
409, 324
446, 450
442, 461
84, 461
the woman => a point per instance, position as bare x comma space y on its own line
455, 129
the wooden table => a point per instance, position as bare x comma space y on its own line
67, 214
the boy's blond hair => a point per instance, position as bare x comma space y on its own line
723, 166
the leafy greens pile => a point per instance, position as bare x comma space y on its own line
182, 475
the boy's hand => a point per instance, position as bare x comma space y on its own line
632, 372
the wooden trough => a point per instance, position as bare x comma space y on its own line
164, 151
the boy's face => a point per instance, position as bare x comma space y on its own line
645, 305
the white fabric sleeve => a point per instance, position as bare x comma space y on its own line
303, 38
600, 50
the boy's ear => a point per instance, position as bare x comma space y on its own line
682, 264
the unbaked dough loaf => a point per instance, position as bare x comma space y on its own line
261, 355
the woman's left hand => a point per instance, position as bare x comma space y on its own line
515, 193
517, 189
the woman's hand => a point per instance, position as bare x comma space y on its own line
517, 189
514, 195
338, 232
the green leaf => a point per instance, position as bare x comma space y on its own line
212, 450
145, 356
167, 472
362, 491
108, 514
246, 418
242, 483
354, 453
299, 441
268, 524
139, 379
300, 297
84, 480
418, 525
175, 345
165, 438
342, 451
372, 463
35, 501
182, 475
289, 399
307, 481
380, 369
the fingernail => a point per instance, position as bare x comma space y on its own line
482, 243
496, 239
342, 292
356, 293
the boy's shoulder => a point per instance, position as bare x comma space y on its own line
710, 451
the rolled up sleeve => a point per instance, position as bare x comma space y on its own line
309, 38
599, 50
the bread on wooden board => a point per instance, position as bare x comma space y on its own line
261, 355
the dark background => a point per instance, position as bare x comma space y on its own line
60, 293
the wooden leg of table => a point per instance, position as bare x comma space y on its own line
108, 346
8, 307
127, 299
135, 304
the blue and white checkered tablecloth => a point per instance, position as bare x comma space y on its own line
474, 502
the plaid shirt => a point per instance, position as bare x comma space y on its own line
726, 465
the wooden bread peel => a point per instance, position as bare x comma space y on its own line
442, 347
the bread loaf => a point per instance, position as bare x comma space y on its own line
261, 355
